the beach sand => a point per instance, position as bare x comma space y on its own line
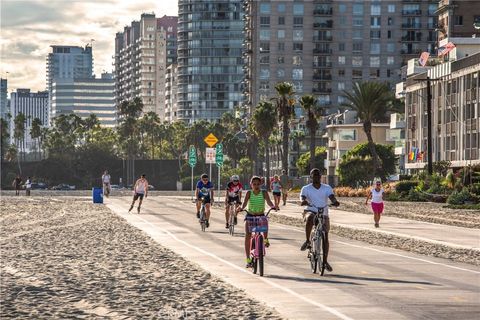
65, 257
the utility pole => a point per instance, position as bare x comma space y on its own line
429, 128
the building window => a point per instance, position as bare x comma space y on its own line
375, 48
389, 72
341, 60
357, 22
298, 22
281, 60
391, 8
264, 73
374, 73
297, 46
357, 74
358, 9
297, 74
375, 10
357, 46
357, 61
298, 9
297, 60
347, 135
458, 20
375, 34
280, 73
297, 35
298, 86
357, 34
281, 34
281, 7
264, 21
341, 46
389, 34
281, 46
375, 61
390, 60
264, 47
375, 22
390, 21
390, 47
264, 34
341, 73
265, 8
341, 86
343, 20
342, 8
281, 21
265, 60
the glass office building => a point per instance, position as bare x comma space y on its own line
210, 74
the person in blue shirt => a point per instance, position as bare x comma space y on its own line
204, 190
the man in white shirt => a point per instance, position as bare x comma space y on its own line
315, 195
106, 183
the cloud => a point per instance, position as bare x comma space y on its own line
30, 27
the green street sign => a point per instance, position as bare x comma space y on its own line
219, 154
192, 156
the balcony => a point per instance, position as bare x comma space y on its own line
323, 12
411, 12
322, 50
322, 77
322, 65
410, 38
322, 90
413, 51
411, 25
324, 25
326, 38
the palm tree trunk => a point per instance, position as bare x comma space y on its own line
367, 127
267, 163
286, 131
312, 147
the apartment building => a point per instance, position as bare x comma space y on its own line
455, 114
458, 19
210, 64
142, 52
3, 98
32, 105
83, 97
171, 93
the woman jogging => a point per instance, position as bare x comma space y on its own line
377, 196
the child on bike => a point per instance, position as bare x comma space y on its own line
255, 199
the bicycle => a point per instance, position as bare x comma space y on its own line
231, 217
202, 219
257, 225
316, 252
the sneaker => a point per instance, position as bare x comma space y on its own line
226, 226
138, 209
328, 267
305, 246
267, 243
198, 214
249, 263
130, 209
377, 225
235, 220
207, 224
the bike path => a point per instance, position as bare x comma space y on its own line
368, 282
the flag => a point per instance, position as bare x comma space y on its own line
423, 58
443, 50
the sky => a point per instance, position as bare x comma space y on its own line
29, 27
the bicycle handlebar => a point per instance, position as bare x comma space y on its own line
244, 210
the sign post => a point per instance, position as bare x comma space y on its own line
210, 140
192, 161
219, 162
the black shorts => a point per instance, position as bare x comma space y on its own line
233, 199
206, 199
278, 194
138, 195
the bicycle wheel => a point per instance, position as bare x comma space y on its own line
231, 226
260, 255
321, 260
313, 260
252, 256
202, 219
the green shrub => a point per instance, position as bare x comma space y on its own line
416, 196
405, 186
393, 196
460, 197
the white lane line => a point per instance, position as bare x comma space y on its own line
386, 252
271, 283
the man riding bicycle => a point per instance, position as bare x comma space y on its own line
204, 190
106, 183
315, 195
233, 195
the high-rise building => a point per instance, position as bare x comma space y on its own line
32, 105
458, 19
323, 46
210, 64
3, 98
69, 62
171, 93
142, 52
83, 97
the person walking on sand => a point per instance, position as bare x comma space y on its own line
285, 182
16, 184
28, 186
140, 189
377, 194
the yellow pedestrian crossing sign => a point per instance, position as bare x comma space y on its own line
210, 140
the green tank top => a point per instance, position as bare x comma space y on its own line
256, 203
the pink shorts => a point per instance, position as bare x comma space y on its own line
377, 207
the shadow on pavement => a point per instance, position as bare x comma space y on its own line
319, 280
339, 276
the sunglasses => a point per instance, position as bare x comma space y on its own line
235, 180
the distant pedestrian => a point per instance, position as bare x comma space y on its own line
106, 183
28, 186
277, 188
377, 194
140, 190
16, 184
285, 181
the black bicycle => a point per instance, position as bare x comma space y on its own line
232, 207
202, 220
317, 251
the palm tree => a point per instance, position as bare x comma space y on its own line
149, 125
264, 121
19, 134
36, 131
313, 110
372, 101
284, 104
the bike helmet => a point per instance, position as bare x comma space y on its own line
234, 178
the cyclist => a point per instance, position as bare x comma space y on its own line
377, 194
106, 183
255, 199
205, 190
315, 195
140, 189
233, 194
